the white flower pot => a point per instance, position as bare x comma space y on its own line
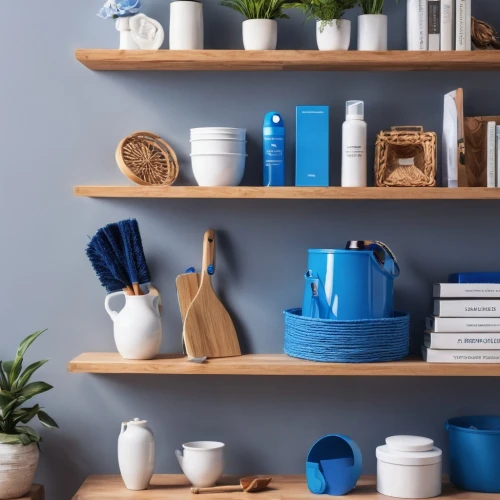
372, 32
186, 25
333, 35
260, 34
18, 465
126, 40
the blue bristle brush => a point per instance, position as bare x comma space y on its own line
135, 259
117, 256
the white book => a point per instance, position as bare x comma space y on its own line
498, 155
466, 290
468, 25
447, 25
491, 145
460, 15
458, 356
471, 341
472, 308
416, 24
434, 24
462, 325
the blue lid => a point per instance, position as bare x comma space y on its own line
273, 119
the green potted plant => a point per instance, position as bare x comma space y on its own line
260, 30
332, 32
18, 441
372, 26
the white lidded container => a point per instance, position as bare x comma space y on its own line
409, 467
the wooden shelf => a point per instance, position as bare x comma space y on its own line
272, 365
176, 487
288, 193
286, 60
36, 493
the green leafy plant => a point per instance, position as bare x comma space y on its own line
323, 10
372, 6
15, 390
257, 9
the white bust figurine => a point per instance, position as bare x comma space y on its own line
147, 33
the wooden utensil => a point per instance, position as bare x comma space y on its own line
208, 328
247, 484
187, 287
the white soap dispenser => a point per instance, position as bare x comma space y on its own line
354, 146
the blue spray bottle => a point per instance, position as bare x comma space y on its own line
274, 150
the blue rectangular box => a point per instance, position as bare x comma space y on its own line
312, 159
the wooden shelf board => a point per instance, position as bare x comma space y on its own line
176, 487
286, 60
288, 193
36, 493
272, 365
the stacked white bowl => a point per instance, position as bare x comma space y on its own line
218, 155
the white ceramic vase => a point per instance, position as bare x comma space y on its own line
136, 454
126, 40
260, 34
372, 32
18, 465
186, 25
137, 327
333, 35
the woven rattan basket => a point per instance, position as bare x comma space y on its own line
147, 160
405, 157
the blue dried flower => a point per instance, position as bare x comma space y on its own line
113, 9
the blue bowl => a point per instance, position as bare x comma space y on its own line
474, 450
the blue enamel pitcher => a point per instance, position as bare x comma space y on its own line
351, 284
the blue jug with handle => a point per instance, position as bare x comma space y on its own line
351, 284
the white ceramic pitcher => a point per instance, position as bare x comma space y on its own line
137, 327
136, 454
202, 462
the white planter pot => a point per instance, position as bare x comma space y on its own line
372, 32
137, 327
333, 35
136, 454
186, 26
126, 40
18, 465
260, 34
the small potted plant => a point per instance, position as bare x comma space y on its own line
372, 26
332, 32
18, 441
186, 25
260, 30
122, 10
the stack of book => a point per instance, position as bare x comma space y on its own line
439, 24
465, 327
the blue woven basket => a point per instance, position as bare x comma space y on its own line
333, 341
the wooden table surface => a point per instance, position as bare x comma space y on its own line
36, 493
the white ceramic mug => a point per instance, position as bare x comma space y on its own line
202, 462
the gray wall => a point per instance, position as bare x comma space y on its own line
60, 124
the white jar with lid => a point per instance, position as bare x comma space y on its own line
409, 467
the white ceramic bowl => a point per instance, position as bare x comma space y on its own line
208, 146
218, 169
219, 133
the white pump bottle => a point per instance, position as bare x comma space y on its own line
354, 146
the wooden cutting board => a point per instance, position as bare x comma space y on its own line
187, 288
208, 328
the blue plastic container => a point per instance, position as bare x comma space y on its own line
350, 284
274, 150
333, 465
474, 450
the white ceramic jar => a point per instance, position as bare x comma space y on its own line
409, 467
136, 454
372, 32
186, 25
